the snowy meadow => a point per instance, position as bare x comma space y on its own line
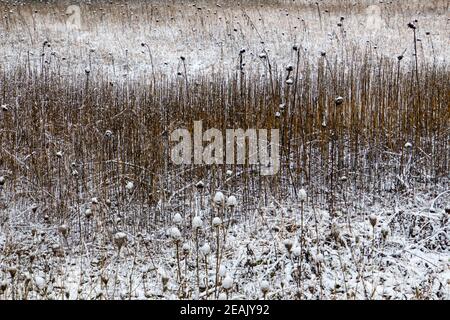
92, 205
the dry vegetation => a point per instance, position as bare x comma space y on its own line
87, 188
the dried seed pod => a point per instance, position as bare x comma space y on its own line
120, 239
373, 220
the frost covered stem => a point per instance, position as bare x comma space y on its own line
196, 259
177, 246
217, 260
301, 247
206, 276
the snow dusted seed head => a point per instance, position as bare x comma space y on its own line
94, 200
64, 230
242, 51
177, 219
120, 239
219, 198
40, 282
282, 106
277, 114
186, 248
3, 286
12, 271
296, 252
373, 220
289, 68
231, 201
197, 222
227, 283
59, 154
164, 277
385, 232
335, 232
205, 249
265, 286
2, 180
411, 25
175, 234
302, 195
129, 186
319, 258
323, 53
339, 100
289, 81
216, 222
229, 173
262, 55
222, 271
288, 245
182, 58
200, 185
408, 145
108, 133
87, 71
343, 179
5, 107
88, 213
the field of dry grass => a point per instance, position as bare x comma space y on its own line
92, 207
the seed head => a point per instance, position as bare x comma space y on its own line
129, 186
63, 229
339, 100
216, 222
264, 286
219, 198
222, 271
200, 185
227, 283
177, 219
302, 195
288, 245
231, 201
186, 248
205, 249
88, 213
120, 239
197, 222
373, 220
175, 234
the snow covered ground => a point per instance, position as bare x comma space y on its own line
387, 249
